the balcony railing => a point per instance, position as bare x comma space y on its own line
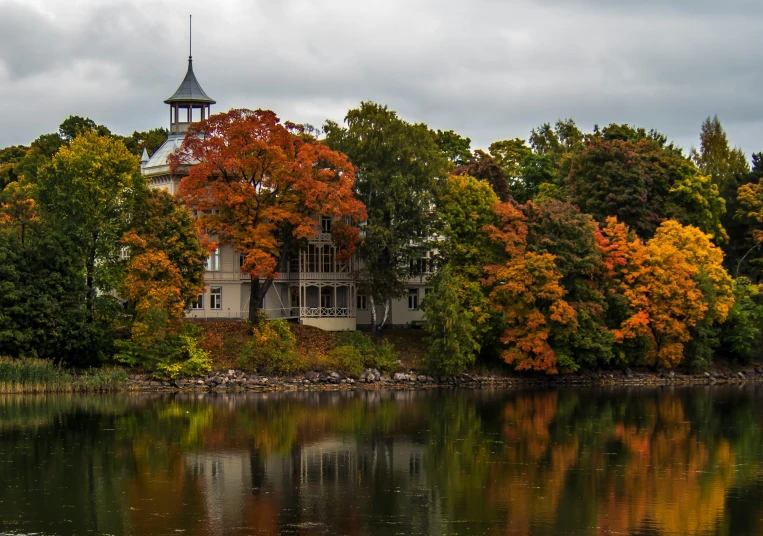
332, 312
284, 312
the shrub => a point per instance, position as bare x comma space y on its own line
357, 350
347, 359
272, 350
197, 363
741, 334
171, 357
385, 356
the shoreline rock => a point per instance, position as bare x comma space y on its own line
372, 379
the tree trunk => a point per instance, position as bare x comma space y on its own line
90, 268
376, 328
373, 316
385, 317
258, 290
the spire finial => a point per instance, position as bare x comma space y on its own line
190, 36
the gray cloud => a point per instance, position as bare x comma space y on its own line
488, 69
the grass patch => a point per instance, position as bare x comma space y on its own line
41, 376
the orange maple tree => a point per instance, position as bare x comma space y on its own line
260, 184
527, 290
669, 284
165, 268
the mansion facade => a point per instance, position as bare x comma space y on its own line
316, 288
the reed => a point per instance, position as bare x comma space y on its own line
41, 376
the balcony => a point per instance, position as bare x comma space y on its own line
326, 312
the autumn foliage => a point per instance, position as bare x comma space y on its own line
527, 290
259, 184
636, 301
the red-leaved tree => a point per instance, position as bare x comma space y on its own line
266, 183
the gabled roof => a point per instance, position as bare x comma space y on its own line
190, 91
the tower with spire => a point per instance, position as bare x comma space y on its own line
189, 97
188, 105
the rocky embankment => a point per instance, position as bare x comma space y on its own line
237, 380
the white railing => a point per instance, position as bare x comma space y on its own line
324, 276
284, 312
283, 276
318, 312
321, 237
214, 314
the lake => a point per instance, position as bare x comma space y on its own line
640, 461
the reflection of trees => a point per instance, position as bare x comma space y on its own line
513, 462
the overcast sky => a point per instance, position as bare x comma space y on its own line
488, 69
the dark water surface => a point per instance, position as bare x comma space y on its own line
685, 461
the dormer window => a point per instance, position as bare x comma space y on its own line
325, 224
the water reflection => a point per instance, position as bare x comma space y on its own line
683, 461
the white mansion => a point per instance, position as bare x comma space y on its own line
316, 289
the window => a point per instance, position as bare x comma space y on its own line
421, 265
427, 291
361, 302
199, 302
213, 261
413, 299
216, 298
241, 259
325, 224
327, 297
328, 259
312, 258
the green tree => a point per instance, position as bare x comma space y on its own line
455, 147
456, 311
86, 194
41, 293
464, 208
150, 140
557, 143
742, 334
643, 183
40, 151
717, 159
526, 171
398, 167
75, 125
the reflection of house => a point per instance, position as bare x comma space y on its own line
310, 482
315, 289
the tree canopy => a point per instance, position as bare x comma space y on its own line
399, 165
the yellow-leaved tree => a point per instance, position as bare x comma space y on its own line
665, 293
